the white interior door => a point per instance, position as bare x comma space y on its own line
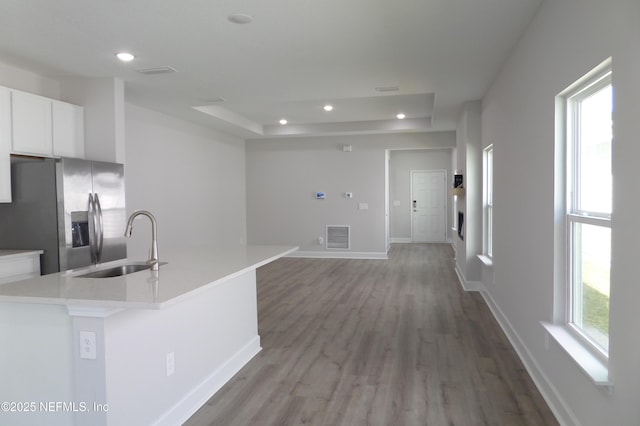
428, 206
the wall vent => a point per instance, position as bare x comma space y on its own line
338, 237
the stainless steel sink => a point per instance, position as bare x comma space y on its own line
117, 271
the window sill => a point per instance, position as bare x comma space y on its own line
596, 370
486, 260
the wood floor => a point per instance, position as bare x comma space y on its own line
375, 342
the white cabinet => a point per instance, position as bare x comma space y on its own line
38, 126
45, 127
68, 130
31, 124
16, 265
5, 145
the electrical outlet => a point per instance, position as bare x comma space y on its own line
87, 345
320, 240
171, 364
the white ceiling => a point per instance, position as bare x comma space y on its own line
296, 56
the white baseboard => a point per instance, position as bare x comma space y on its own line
410, 241
339, 254
468, 285
400, 240
190, 403
560, 409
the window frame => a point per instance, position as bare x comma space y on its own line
583, 89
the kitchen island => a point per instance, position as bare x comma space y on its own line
146, 348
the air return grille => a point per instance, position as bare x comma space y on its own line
338, 237
157, 70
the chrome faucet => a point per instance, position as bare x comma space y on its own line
153, 259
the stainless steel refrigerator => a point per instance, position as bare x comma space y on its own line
72, 209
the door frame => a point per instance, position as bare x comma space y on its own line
444, 195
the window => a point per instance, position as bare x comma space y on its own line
488, 201
588, 129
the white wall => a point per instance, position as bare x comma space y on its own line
104, 121
190, 177
402, 162
27, 81
565, 41
284, 174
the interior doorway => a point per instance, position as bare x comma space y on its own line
428, 206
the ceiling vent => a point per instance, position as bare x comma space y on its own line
338, 237
215, 100
157, 70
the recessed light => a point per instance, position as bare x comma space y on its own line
239, 18
401, 116
283, 121
328, 107
125, 56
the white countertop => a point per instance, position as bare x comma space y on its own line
183, 276
7, 254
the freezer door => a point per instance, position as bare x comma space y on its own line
74, 187
108, 189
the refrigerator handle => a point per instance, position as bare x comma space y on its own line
92, 229
100, 228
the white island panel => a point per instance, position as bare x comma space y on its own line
36, 364
210, 336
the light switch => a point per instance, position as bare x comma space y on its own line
396, 203
363, 206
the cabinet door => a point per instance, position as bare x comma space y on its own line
5, 145
68, 130
31, 124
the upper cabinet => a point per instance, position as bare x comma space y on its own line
31, 124
68, 130
45, 127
